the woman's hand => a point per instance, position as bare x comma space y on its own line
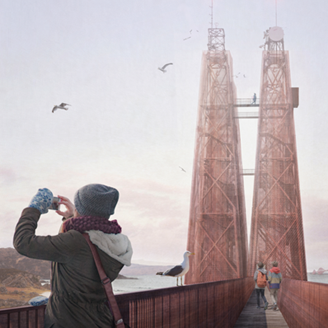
69, 207
42, 200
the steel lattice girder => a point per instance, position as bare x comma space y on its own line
217, 227
277, 228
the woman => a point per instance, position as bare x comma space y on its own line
77, 298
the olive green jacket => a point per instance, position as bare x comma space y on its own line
77, 298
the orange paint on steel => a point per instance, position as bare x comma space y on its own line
217, 225
304, 304
216, 304
277, 227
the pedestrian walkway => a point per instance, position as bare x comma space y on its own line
251, 317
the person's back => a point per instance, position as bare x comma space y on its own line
78, 298
75, 287
259, 275
274, 279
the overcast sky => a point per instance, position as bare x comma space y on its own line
131, 126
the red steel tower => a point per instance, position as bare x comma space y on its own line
217, 224
277, 230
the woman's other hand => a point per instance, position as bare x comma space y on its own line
69, 207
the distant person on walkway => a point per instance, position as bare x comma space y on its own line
77, 297
275, 279
260, 278
254, 99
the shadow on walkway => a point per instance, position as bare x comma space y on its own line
252, 317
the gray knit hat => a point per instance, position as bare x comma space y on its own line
96, 200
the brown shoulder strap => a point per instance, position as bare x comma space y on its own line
106, 284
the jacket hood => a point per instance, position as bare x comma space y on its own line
275, 270
262, 270
117, 246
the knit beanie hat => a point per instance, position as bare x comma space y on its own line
96, 200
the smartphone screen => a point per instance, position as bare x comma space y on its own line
55, 204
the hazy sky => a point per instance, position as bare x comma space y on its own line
131, 126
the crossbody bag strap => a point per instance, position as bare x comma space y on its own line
106, 284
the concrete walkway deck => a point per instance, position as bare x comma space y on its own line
251, 317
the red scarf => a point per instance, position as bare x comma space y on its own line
86, 223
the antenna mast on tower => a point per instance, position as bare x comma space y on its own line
211, 14
216, 36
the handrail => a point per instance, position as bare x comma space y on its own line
247, 102
212, 304
200, 305
247, 115
303, 304
248, 172
23, 316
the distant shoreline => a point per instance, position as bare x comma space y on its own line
120, 276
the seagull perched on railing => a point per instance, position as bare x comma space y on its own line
61, 106
163, 68
178, 270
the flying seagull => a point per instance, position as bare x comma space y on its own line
182, 169
61, 106
178, 270
163, 68
186, 38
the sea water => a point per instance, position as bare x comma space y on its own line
148, 282
321, 278
140, 283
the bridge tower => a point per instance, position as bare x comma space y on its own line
277, 229
217, 224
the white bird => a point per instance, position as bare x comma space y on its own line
61, 106
187, 38
178, 270
163, 68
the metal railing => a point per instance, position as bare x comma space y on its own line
248, 172
303, 304
217, 304
247, 115
247, 102
214, 304
22, 317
